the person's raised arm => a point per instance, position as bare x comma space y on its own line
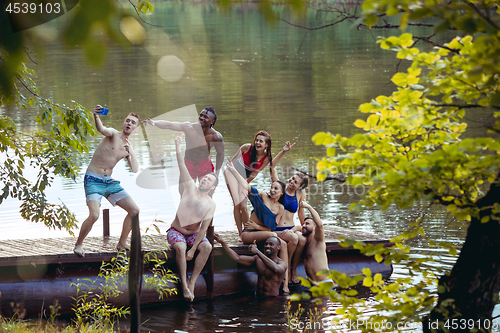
301, 213
285, 149
240, 259
219, 158
98, 123
201, 233
276, 268
237, 175
319, 235
184, 174
170, 125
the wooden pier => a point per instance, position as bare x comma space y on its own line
36, 272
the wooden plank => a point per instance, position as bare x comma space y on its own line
60, 250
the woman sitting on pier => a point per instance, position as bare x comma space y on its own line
268, 209
294, 193
249, 160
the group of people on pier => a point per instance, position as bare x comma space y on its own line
271, 221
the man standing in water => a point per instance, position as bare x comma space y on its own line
270, 268
98, 182
200, 137
194, 214
315, 260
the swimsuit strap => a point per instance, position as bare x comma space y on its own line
291, 204
248, 163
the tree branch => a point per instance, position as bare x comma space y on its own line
317, 28
340, 179
42, 98
139, 15
467, 106
487, 19
28, 54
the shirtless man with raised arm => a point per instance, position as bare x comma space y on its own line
315, 260
270, 268
98, 182
191, 222
200, 138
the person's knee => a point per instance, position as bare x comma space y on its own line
205, 247
180, 248
93, 216
133, 211
302, 240
294, 239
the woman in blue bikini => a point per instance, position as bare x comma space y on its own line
268, 209
294, 193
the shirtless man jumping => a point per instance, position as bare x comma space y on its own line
98, 182
200, 138
270, 268
191, 222
315, 260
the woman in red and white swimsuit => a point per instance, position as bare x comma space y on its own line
248, 161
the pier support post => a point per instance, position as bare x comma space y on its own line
105, 222
210, 263
135, 276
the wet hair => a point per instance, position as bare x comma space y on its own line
253, 153
305, 180
310, 218
133, 114
281, 200
277, 238
211, 110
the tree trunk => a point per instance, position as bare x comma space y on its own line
468, 294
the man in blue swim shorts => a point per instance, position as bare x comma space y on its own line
98, 182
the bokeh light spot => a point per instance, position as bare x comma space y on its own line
170, 68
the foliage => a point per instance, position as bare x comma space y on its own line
9, 325
93, 301
59, 133
302, 321
413, 146
50, 148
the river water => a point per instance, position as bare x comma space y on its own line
258, 75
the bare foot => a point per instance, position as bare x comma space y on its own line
120, 246
286, 291
295, 280
79, 250
191, 287
188, 296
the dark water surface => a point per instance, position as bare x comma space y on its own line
258, 75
